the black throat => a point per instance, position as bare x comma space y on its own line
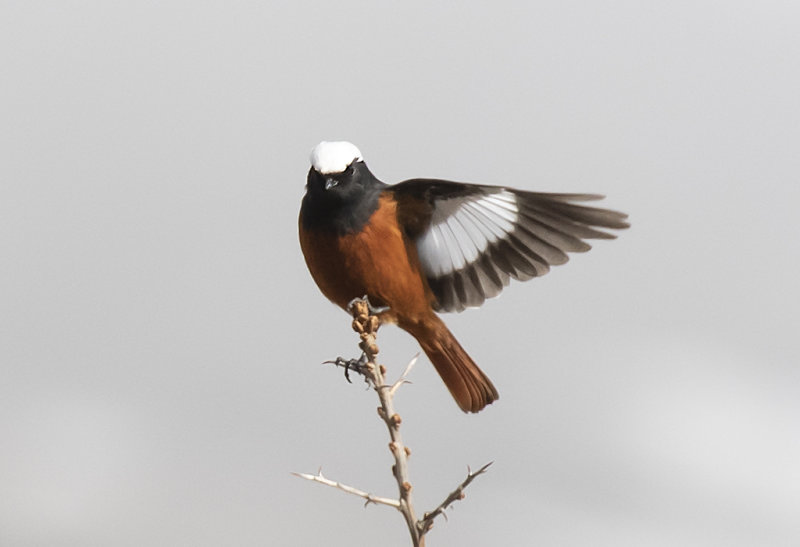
346, 205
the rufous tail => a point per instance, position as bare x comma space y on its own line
470, 387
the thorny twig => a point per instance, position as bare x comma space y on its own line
349, 489
426, 522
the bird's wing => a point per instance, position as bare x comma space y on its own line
472, 239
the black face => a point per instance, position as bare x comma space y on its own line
340, 201
336, 186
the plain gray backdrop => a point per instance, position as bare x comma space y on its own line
161, 339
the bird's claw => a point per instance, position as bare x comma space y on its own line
357, 365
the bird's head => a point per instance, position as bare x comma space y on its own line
337, 168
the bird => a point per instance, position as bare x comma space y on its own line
427, 246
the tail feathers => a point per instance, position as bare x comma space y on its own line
470, 387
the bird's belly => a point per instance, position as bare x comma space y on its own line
374, 262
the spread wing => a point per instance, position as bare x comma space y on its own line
472, 239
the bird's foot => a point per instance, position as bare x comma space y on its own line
373, 310
358, 365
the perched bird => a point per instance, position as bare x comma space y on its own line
424, 246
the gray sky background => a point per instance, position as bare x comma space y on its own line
161, 339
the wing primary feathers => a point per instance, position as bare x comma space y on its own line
545, 250
592, 216
561, 237
478, 237
564, 227
557, 197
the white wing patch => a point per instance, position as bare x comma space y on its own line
463, 228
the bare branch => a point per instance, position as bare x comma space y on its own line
349, 489
426, 522
366, 324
